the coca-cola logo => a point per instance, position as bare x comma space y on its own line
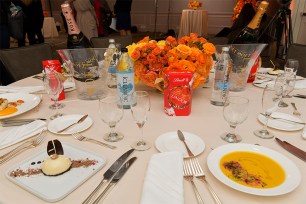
180, 97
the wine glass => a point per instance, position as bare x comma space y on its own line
111, 112
235, 111
287, 82
140, 107
291, 66
54, 86
271, 97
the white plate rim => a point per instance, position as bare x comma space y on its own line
283, 125
102, 161
87, 123
293, 174
159, 143
30, 102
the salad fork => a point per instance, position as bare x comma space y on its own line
189, 177
199, 173
26, 145
80, 137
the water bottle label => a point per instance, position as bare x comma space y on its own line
125, 81
112, 69
223, 86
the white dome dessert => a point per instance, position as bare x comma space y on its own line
56, 165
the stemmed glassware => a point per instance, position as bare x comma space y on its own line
235, 111
270, 103
291, 66
140, 107
287, 82
111, 112
54, 86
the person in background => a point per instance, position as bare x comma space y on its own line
86, 18
33, 22
104, 15
122, 10
4, 29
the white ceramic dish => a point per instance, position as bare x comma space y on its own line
168, 142
55, 188
61, 122
293, 175
30, 102
282, 124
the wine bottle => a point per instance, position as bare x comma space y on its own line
250, 33
76, 39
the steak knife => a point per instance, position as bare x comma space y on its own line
292, 149
116, 178
109, 173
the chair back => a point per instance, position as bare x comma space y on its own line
22, 62
102, 42
298, 52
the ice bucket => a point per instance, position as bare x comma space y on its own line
88, 66
244, 56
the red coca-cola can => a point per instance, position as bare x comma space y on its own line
177, 92
54, 66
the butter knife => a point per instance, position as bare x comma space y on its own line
109, 173
79, 121
182, 138
284, 119
292, 149
116, 178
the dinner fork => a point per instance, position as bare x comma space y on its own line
189, 177
199, 173
80, 137
26, 145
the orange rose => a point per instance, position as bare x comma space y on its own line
209, 48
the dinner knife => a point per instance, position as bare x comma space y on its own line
300, 96
109, 173
292, 149
182, 138
116, 179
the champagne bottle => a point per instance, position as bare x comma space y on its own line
76, 39
250, 33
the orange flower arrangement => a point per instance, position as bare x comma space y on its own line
194, 4
152, 58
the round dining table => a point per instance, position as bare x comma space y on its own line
205, 121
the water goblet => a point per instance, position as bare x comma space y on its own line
291, 66
235, 111
54, 86
140, 107
287, 82
271, 97
111, 112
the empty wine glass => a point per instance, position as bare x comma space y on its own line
287, 82
54, 86
291, 66
140, 107
111, 112
271, 97
235, 111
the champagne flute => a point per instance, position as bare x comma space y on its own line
111, 112
271, 97
291, 66
235, 111
140, 107
54, 86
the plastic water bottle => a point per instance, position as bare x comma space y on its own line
223, 70
125, 78
112, 78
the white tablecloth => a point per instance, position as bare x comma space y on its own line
205, 120
49, 28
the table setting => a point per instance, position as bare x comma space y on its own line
152, 156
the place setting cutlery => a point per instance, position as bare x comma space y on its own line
80, 137
292, 149
284, 119
24, 146
18, 122
73, 124
108, 175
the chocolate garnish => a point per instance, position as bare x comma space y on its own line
55, 147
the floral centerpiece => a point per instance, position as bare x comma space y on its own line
152, 58
194, 4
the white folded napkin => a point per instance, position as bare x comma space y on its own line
17, 134
163, 183
17, 89
300, 84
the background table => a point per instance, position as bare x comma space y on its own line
205, 120
194, 21
49, 28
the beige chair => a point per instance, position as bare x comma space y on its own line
22, 62
102, 42
298, 52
